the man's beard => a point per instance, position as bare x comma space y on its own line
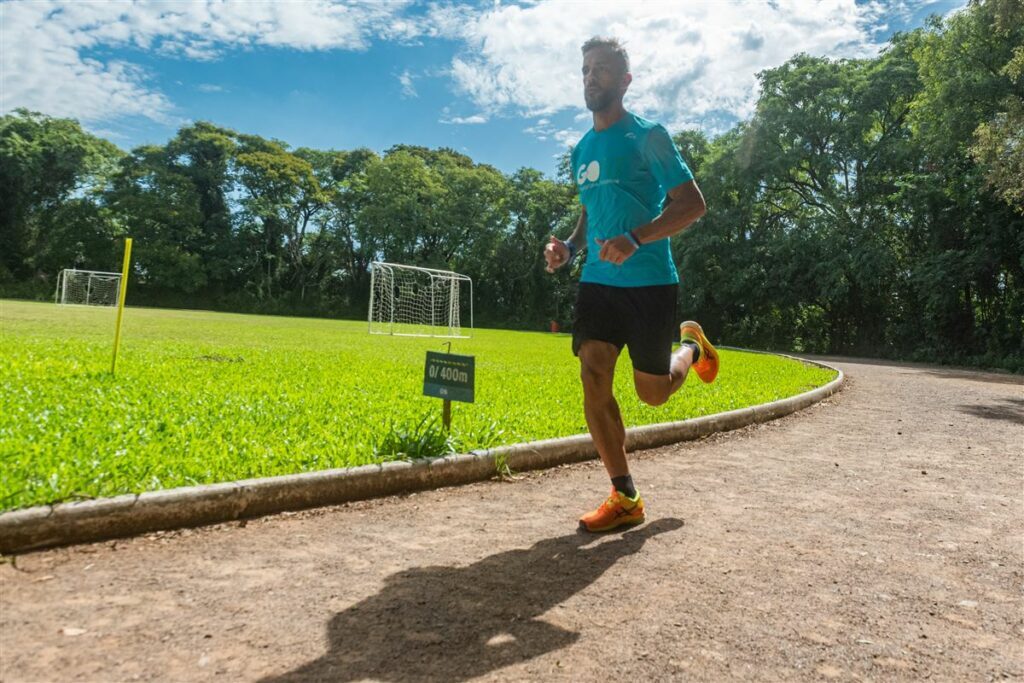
599, 100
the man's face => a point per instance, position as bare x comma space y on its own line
603, 79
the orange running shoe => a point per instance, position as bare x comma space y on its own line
707, 367
618, 510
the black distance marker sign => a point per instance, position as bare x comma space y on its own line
449, 376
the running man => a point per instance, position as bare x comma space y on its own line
636, 193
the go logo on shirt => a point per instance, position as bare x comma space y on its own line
591, 172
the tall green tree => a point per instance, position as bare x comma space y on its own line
826, 141
968, 278
160, 206
283, 196
350, 243
514, 282
999, 141
51, 174
204, 154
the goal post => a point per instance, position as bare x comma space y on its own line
87, 287
416, 301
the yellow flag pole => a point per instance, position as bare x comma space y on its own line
120, 300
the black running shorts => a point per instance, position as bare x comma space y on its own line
640, 318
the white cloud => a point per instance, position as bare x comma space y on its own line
408, 88
694, 63
108, 133
467, 120
210, 87
543, 130
46, 64
691, 61
42, 67
568, 137
953, 10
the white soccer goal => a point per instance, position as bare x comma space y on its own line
421, 302
90, 287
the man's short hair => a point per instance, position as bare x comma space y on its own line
613, 45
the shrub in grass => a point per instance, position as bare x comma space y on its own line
407, 441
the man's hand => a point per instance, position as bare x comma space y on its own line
556, 254
616, 250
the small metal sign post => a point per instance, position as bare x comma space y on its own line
450, 377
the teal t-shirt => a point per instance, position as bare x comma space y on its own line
623, 174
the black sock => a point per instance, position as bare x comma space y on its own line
624, 485
696, 350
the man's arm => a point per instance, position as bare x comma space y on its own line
685, 204
556, 253
579, 235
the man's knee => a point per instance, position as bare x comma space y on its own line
597, 370
654, 390
596, 378
652, 396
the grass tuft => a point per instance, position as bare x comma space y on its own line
407, 441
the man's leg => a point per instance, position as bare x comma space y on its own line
597, 370
655, 390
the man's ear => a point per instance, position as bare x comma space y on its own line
627, 78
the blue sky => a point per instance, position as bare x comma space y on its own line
498, 81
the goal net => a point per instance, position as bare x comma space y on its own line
408, 300
89, 287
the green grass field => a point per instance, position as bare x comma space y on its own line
205, 397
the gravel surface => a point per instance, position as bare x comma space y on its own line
877, 535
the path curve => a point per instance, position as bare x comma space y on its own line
874, 535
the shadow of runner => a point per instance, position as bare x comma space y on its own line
1012, 410
455, 623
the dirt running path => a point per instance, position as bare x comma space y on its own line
874, 536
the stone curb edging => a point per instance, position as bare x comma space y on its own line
69, 523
